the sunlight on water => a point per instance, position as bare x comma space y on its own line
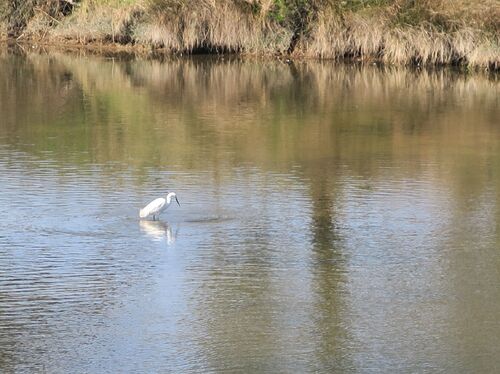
332, 218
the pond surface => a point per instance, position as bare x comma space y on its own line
333, 218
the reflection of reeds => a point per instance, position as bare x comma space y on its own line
202, 116
146, 112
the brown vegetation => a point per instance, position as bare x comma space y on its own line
426, 32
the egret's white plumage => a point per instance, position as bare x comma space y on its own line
157, 206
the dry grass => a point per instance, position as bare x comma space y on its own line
453, 41
3, 30
3, 20
211, 25
92, 21
425, 32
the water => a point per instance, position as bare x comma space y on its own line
333, 218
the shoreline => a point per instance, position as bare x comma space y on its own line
120, 51
389, 34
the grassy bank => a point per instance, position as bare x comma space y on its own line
424, 32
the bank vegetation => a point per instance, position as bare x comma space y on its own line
418, 32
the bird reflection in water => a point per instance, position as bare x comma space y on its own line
158, 231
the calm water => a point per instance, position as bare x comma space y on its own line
332, 219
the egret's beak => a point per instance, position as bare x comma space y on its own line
177, 201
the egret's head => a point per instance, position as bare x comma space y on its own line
172, 195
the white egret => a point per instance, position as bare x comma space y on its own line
157, 206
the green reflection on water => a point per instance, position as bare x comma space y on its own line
200, 113
206, 114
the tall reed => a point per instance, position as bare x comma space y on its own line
424, 32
